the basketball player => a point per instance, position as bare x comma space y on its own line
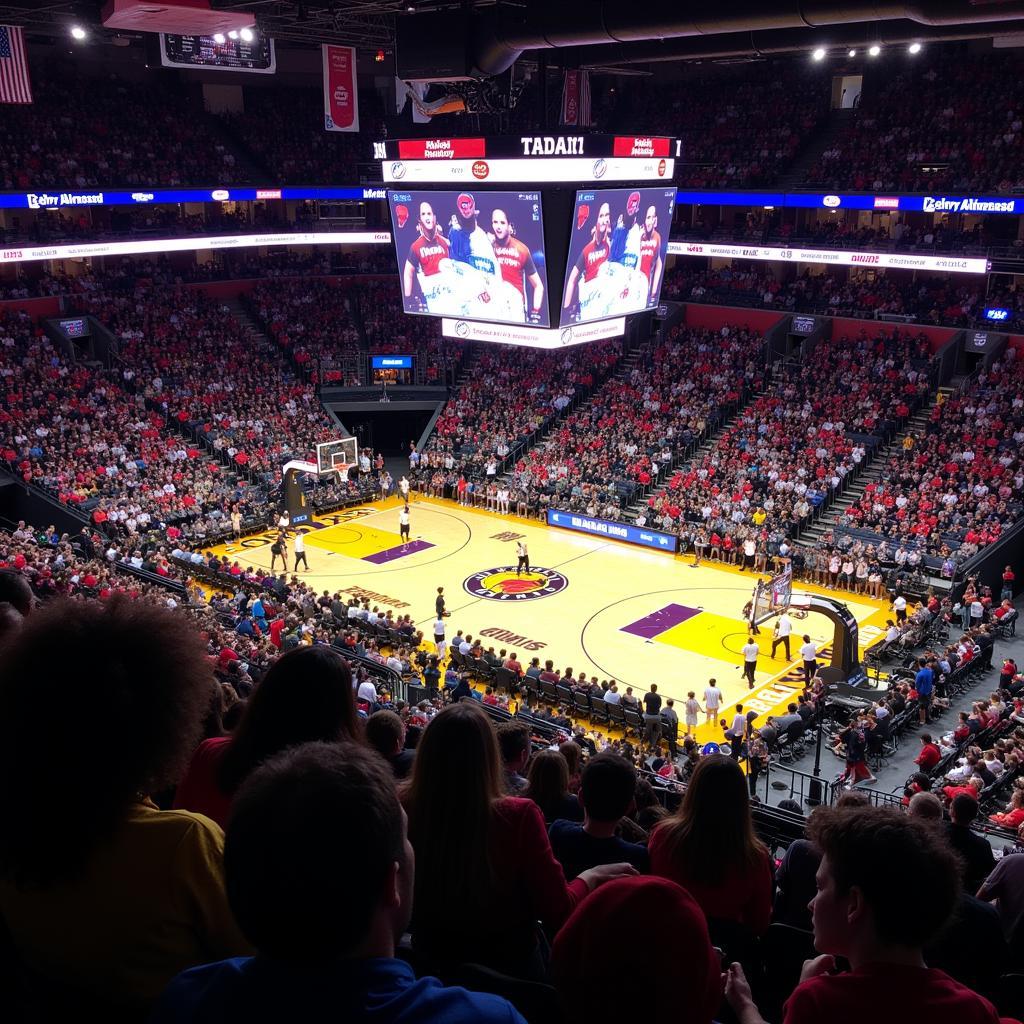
523, 556
300, 551
594, 254
748, 617
279, 549
426, 253
403, 526
516, 263
783, 631
650, 252
403, 489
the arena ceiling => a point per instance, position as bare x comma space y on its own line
590, 32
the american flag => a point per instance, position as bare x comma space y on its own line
15, 86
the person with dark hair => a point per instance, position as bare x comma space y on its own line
103, 894
305, 696
607, 794
514, 743
548, 787
385, 732
708, 846
975, 850
855, 916
16, 591
681, 961
486, 870
320, 875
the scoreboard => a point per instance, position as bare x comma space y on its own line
527, 159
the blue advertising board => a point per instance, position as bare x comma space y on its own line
392, 362
610, 530
56, 200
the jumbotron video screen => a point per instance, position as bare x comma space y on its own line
477, 256
617, 248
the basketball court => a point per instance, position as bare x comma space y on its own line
610, 609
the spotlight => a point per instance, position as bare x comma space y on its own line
819, 53
232, 34
218, 38
874, 51
914, 48
77, 32
852, 53
246, 35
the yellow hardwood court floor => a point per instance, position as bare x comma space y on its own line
610, 609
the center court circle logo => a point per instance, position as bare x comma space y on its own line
502, 584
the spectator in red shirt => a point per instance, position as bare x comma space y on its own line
856, 917
708, 846
484, 862
930, 754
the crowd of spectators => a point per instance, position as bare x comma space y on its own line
326, 325
638, 426
961, 130
736, 130
193, 361
284, 130
510, 395
795, 444
88, 438
960, 483
314, 771
936, 299
99, 132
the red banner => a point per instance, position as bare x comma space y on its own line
442, 149
638, 145
571, 98
341, 89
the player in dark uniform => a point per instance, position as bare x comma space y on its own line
516, 263
426, 253
523, 556
594, 253
650, 252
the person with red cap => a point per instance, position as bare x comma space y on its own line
682, 966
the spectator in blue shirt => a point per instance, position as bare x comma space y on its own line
319, 874
924, 683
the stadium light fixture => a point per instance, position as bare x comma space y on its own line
874, 51
852, 53
819, 53
914, 48
232, 34
218, 38
79, 33
246, 35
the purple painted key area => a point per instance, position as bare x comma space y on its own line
390, 554
658, 622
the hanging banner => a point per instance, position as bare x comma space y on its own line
341, 90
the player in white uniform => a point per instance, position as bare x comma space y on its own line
403, 525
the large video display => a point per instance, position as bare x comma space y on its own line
617, 250
475, 256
